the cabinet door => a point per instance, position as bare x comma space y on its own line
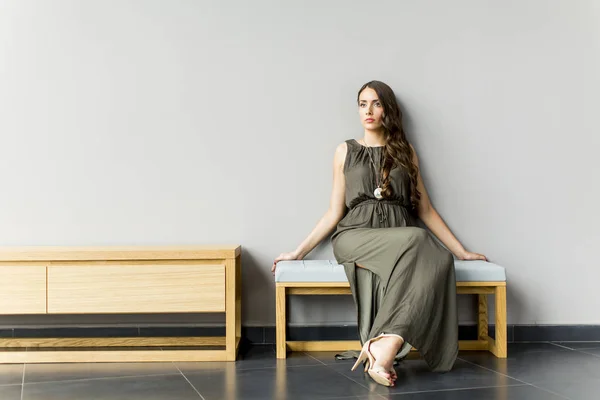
22, 289
136, 288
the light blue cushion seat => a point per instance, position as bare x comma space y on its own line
331, 271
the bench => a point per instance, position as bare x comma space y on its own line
327, 277
43, 280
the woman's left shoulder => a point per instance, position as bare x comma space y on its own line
414, 154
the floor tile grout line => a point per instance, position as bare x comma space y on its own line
275, 367
457, 389
518, 380
102, 378
585, 352
560, 345
261, 368
188, 381
577, 350
550, 391
491, 370
23, 381
9, 384
314, 358
358, 396
345, 376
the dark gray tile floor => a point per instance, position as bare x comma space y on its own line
532, 371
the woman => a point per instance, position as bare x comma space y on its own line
402, 280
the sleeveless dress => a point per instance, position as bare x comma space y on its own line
407, 286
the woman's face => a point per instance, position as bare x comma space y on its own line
370, 109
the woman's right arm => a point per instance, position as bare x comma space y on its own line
333, 215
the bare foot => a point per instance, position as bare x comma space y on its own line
384, 350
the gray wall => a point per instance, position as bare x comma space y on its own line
182, 122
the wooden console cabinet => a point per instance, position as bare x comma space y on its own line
118, 280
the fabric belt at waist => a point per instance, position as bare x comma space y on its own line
379, 208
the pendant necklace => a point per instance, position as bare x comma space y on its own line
377, 191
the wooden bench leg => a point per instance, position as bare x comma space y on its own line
500, 347
232, 309
280, 321
482, 320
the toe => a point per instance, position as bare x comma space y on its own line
383, 372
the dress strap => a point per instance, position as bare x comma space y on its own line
350, 153
351, 144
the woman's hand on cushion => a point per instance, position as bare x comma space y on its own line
467, 255
284, 256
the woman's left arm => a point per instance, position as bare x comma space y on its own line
436, 224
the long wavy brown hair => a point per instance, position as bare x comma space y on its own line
397, 151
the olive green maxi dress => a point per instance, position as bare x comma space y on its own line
407, 286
